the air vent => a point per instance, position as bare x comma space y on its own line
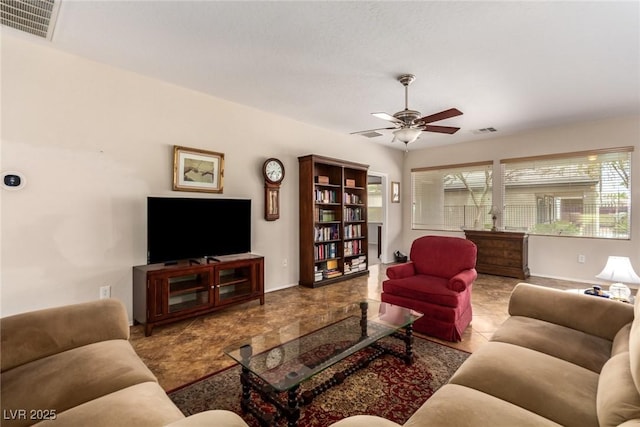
35, 17
484, 130
371, 134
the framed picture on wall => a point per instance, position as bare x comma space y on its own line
197, 170
395, 192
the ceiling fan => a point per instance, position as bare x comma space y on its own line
408, 123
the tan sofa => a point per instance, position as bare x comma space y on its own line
560, 359
74, 365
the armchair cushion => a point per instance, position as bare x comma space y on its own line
423, 288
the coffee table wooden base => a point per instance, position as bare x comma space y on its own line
290, 409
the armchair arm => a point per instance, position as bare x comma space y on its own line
593, 315
37, 334
401, 271
462, 280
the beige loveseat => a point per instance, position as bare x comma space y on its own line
74, 365
561, 359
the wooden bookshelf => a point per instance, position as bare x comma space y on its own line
333, 220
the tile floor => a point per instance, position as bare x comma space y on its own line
188, 350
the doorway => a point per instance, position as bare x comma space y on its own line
376, 213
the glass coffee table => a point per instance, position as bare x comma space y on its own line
275, 364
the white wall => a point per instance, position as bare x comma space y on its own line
548, 256
94, 141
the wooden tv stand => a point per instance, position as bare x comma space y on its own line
168, 293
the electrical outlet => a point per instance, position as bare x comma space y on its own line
284, 263
581, 259
105, 292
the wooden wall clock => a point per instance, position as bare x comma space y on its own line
273, 173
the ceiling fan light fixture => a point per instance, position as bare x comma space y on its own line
407, 135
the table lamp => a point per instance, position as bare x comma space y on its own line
618, 270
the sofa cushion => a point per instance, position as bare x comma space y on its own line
141, 405
593, 315
73, 377
30, 336
577, 347
425, 288
456, 405
548, 386
618, 399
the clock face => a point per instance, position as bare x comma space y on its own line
273, 170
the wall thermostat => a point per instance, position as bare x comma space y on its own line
12, 180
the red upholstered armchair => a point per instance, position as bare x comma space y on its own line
436, 281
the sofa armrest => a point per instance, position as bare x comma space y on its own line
37, 334
401, 271
217, 417
462, 280
592, 315
364, 421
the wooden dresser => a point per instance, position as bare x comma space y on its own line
501, 253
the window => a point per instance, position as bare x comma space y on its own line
584, 194
451, 197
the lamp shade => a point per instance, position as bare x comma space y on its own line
619, 269
407, 135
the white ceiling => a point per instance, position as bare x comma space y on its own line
508, 65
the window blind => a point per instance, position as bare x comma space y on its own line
583, 194
451, 197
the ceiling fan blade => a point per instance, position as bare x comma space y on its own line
386, 116
446, 114
441, 129
360, 132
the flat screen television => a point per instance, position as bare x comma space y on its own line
186, 228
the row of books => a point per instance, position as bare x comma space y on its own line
352, 199
353, 214
326, 196
355, 265
352, 231
324, 215
326, 250
322, 234
327, 270
353, 247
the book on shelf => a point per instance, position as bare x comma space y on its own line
325, 233
352, 231
325, 251
353, 214
324, 215
330, 274
352, 199
326, 196
352, 247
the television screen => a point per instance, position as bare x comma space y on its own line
184, 228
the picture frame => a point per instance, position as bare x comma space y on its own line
197, 170
395, 192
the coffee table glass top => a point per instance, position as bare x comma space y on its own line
285, 357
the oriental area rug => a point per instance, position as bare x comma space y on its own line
387, 387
